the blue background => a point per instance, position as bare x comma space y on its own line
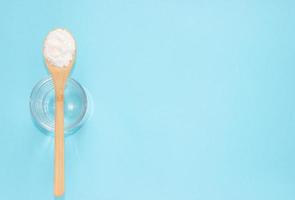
192, 100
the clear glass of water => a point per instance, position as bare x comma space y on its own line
76, 106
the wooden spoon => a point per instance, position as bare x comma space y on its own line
59, 76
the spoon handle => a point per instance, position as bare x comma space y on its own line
59, 144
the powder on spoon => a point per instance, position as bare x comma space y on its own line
59, 47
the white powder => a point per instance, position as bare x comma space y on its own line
59, 47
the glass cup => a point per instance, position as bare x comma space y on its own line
76, 106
